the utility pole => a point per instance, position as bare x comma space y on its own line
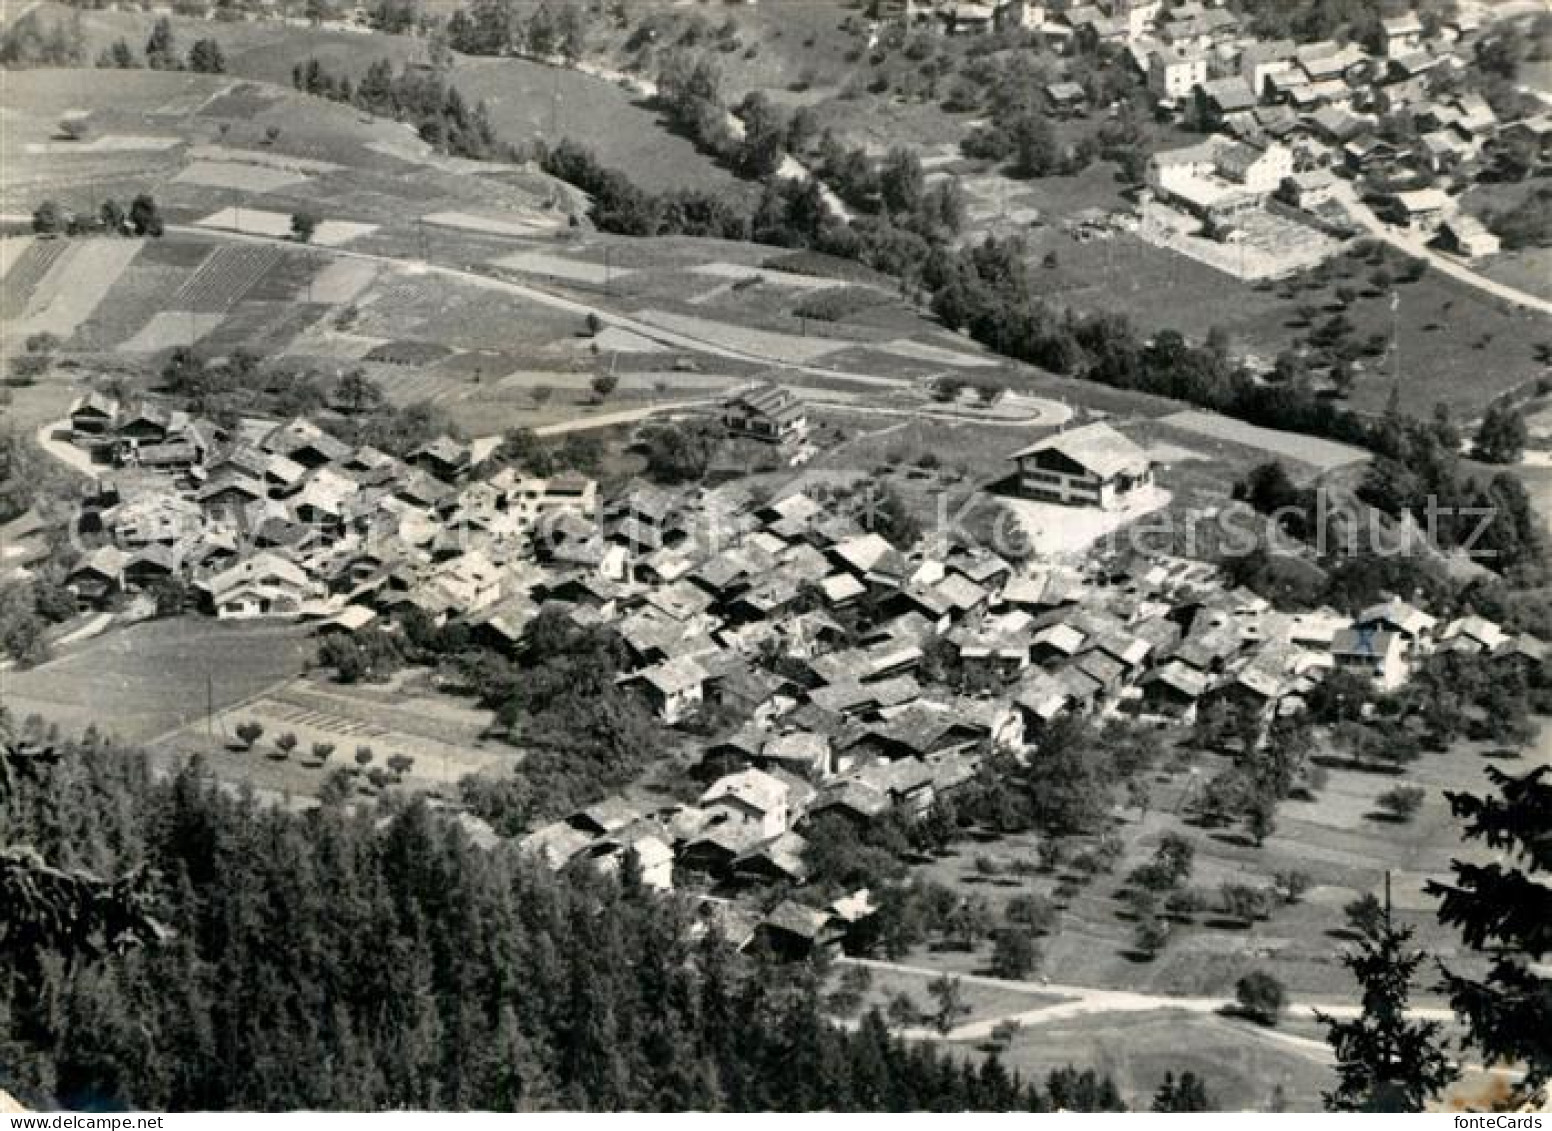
1395, 337
554, 104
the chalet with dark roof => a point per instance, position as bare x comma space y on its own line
767, 413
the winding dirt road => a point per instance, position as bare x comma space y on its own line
1085, 1000
1412, 245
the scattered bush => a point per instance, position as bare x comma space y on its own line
1402, 802
1260, 996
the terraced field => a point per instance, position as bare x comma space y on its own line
167, 329
11, 248
78, 280
287, 278
459, 315
35, 261
241, 100
342, 280
226, 278
265, 328
138, 296
237, 177
175, 251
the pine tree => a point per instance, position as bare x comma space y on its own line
161, 51
206, 57
1501, 436
1504, 909
1384, 1061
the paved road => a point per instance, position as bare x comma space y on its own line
1086, 1000
1412, 245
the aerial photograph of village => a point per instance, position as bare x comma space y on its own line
775, 555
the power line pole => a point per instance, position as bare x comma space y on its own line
1395, 337
554, 104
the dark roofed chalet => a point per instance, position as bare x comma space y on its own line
768, 413
795, 932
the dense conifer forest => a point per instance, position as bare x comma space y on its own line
378, 959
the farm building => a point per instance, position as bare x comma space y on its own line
93, 415
1423, 209
1092, 466
794, 932
1467, 236
1066, 97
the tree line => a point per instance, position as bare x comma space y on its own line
493, 27
142, 218
439, 112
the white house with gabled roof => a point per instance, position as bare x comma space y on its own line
1093, 466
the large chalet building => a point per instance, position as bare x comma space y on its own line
766, 413
1091, 466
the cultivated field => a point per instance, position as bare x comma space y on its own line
560, 267
1323, 455
28, 266
277, 225
1246, 1068
226, 277
143, 681
1337, 840
238, 177
73, 285
982, 1001
789, 348
527, 101
170, 328
342, 280
509, 225
1446, 328
444, 737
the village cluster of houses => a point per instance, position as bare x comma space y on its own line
1285, 119
819, 642
858, 723
1289, 119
